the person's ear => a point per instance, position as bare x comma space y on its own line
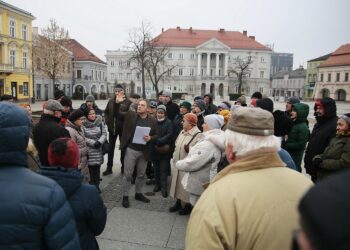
230, 154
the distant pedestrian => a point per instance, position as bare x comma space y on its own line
210, 107
34, 210
89, 211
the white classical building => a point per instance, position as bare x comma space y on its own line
333, 75
202, 60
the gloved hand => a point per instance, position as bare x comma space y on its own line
97, 144
317, 160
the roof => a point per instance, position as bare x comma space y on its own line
297, 73
321, 58
340, 57
80, 52
16, 9
192, 38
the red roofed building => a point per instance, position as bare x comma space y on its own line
203, 59
333, 75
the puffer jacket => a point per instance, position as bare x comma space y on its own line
34, 211
95, 131
77, 134
202, 160
89, 211
299, 135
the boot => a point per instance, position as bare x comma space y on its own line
186, 209
108, 171
141, 197
125, 201
156, 188
175, 207
164, 193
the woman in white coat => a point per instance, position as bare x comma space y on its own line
200, 165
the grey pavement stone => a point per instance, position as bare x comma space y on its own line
121, 245
178, 233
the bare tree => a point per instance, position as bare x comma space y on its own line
241, 70
49, 54
139, 39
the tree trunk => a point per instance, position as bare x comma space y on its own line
143, 83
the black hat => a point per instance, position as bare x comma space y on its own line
256, 95
58, 94
265, 103
66, 101
119, 87
75, 115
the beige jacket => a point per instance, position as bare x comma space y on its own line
251, 204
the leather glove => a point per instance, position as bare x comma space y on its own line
317, 160
97, 144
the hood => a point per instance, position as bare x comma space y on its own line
69, 179
329, 105
302, 111
96, 123
217, 137
14, 135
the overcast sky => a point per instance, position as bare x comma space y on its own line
306, 28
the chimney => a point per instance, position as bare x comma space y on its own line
162, 30
252, 37
221, 30
190, 30
178, 28
245, 33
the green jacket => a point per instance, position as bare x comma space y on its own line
299, 134
336, 156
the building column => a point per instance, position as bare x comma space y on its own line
208, 64
217, 64
199, 66
226, 64
5, 54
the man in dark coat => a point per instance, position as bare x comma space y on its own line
115, 122
323, 131
89, 211
210, 108
48, 129
172, 108
137, 153
34, 211
185, 107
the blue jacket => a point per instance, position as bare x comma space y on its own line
34, 212
89, 211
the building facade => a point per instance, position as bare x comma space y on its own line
200, 61
311, 75
281, 62
15, 52
333, 75
287, 84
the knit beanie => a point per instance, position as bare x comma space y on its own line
186, 105
58, 94
167, 92
200, 104
191, 118
293, 100
90, 98
66, 101
63, 152
214, 121
265, 103
226, 114
161, 107
75, 115
256, 95
345, 117
251, 121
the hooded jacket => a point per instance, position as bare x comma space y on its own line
89, 211
34, 212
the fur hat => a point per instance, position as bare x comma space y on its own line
161, 107
251, 121
167, 92
75, 115
58, 94
214, 121
191, 118
63, 152
186, 105
265, 103
53, 105
200, 104
345, 117
90, 98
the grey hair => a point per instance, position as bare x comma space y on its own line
249, 144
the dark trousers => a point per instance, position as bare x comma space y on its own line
95, 174
112, 141
161, 171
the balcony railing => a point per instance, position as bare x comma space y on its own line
7, 68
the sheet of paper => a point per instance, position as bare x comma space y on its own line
140, 132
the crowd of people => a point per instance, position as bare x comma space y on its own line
235, 167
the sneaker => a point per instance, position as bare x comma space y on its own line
175, 207
187, 209
107, 172
125, 201
141, 197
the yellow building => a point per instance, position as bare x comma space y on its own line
15, 52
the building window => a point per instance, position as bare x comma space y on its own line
180, 71
192, 56
169, 72
338, 77
191, 72
112, 63
138, 76
261, 90
170, 55
120, 76
12, 28
112, 76
25, 60
261, 74
13, 58
68, 67
78, 74
25, 89
346, 77
128, 63
181, 56
249, 58
329, 77
262, 59
202, 72
24, 31
120, 63
128, 76
321, 80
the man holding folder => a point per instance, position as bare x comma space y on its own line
139, 130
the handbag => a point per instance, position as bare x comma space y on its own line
187, 146
163, 149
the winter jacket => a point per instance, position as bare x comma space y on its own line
172, 110
299, 135
247, 205
210, 108
95, 131
85, 108
77, 134
89, 211
283, 125
336, 157
202, 160
287, 159
322, 133
165, 133
177, 126
34, 210
113, 115
46, 131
